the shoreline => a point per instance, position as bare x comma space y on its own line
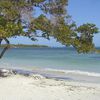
69, 75
37, 87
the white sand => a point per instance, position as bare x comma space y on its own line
37, 88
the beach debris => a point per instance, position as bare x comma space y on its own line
9, 72
37, 76
22, 72
27, 73
5, 72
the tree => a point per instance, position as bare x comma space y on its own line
84, 41
17, 19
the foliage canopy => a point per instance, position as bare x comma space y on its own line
17, 18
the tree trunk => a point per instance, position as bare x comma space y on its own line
5, 48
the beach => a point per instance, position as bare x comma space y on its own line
37, 87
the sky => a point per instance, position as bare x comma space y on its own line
82, 11
86, 11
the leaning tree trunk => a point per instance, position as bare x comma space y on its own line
5, 48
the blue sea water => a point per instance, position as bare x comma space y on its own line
55, 58
65, 59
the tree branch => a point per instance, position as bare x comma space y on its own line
4, 50
0, 41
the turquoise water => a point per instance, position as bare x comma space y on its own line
53, 58
63, 63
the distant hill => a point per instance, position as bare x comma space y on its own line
23, 45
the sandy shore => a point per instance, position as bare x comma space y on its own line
36, 87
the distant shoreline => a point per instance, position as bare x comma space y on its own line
23, 46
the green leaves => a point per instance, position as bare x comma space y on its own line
84, 39
17, 18
88, 29
10, 30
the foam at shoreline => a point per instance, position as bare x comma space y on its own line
74, 72
71, 75
78, 72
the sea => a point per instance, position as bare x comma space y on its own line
62, 63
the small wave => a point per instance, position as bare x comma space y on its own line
96, 57
75, 72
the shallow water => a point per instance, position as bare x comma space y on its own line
61, 59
